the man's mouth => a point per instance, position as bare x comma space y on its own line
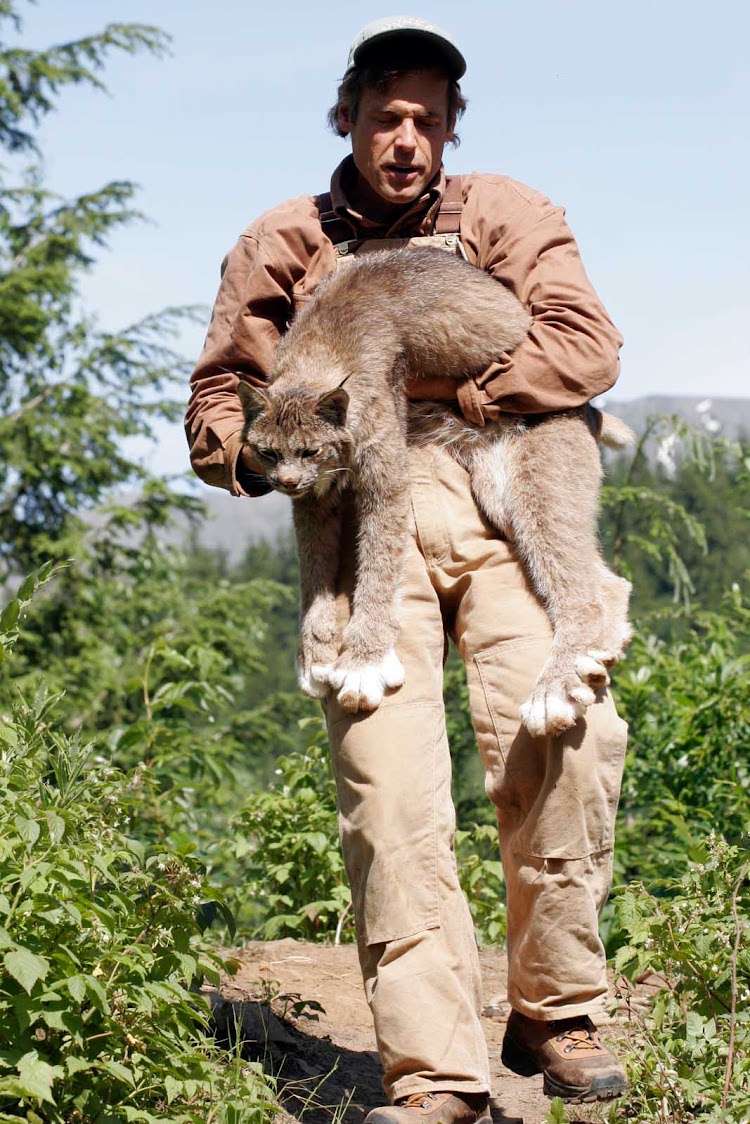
406, 173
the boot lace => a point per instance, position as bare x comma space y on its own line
580, 1036
418, 1100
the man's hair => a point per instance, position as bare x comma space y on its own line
380, 70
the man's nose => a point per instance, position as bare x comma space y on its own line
406, 137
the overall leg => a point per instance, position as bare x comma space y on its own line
555, 798
397, 822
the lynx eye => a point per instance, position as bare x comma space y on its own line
309, 452
268, 454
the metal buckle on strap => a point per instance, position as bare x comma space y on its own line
342, 248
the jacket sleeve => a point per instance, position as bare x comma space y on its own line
571, 352
250, 313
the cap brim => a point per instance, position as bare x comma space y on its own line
454, 61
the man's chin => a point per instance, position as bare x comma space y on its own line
401, 195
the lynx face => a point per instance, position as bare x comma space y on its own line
301, 440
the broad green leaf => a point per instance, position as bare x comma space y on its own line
75, 1064
97, 994
26, 967
55, 826
121, 1072
36, 1076
26, 588
9, 616
28, 829
77, 987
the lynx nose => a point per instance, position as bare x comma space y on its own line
289, 477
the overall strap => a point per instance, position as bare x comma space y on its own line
448, 219
452, 204
334, 227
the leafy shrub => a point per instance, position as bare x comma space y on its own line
689, 1057
480, 873
100, 946
687, 701
289, 831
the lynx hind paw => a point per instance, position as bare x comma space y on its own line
363, 688
551, 711
314, 682
592, 668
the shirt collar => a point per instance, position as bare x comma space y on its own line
419, 218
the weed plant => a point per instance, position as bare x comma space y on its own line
101, 954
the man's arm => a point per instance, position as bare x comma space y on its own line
249, 315
272, 270
571, 352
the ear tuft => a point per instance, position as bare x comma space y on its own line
253, 400
332, 407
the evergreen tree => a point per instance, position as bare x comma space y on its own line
69, 392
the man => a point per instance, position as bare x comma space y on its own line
555, 798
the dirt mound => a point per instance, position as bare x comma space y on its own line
303, 1013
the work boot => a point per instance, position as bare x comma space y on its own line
435, 1108
576, 1066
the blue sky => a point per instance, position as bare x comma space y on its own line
634, 116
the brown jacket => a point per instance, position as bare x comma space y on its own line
569, 356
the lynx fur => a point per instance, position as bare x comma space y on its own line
334, 417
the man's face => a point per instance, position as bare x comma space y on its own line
399, 136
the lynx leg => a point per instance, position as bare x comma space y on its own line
617, 631
368, 664
317, 525
551, 473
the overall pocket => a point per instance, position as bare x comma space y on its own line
555, 797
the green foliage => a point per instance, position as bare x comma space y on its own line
679, 535
29, 79
100, 945
296, 876
688, 768
481, 875
689, 1055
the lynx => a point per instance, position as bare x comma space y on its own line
334, 417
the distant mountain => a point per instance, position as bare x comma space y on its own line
720, 417
231, 524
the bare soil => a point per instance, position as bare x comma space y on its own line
325, 1060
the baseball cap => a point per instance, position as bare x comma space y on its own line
406, 29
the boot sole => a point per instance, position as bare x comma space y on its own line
518, 1061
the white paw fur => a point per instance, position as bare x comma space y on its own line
592, 671
551, 714
362, 688
315, 681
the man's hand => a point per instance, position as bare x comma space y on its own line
250, 462
250, 474
443, 389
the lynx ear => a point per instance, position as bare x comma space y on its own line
253, 400
332, 407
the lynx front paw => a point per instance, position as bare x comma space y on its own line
555, 706
592, 668
362, 687
314, 681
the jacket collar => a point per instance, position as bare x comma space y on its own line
417, 219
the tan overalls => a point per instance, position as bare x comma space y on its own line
555, 798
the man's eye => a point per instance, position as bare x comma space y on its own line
309, 452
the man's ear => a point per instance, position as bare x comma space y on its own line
254, 401
332, 407
344, 119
